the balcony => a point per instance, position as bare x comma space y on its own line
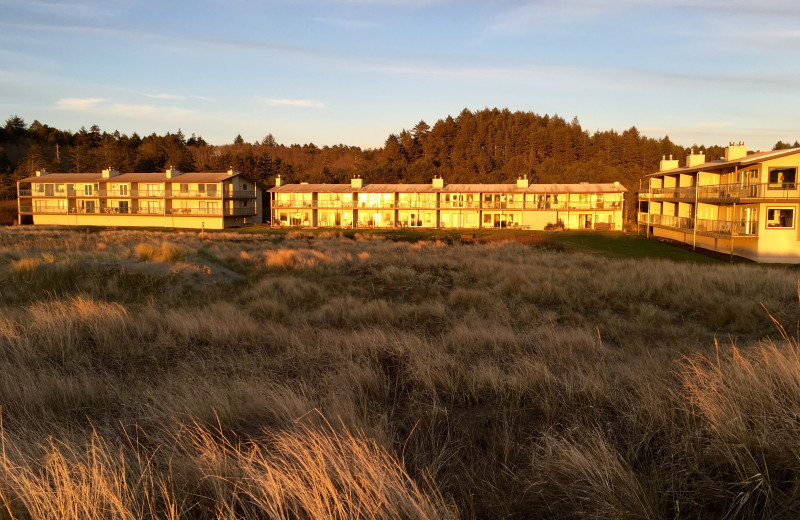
415, 204
708, 227
460, 204
211, 212
24, 192
725, 193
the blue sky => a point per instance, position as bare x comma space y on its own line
353, 71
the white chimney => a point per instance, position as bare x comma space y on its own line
279, 181
109, 172
667, 164
695, 159
438, 182
356, 182
39, 173
232, 172
733, 151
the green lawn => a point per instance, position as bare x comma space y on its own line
615, 244
612, 244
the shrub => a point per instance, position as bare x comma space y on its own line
145, 252
558, 226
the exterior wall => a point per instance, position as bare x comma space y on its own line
160, 221
778, 245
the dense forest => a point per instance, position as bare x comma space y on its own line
490, 145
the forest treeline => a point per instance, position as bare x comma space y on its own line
489, 145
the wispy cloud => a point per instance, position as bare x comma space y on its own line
531, 14
165, 96
715, 124
78, 103
348, 23
148, 111
82, 9
292, 102
122, 109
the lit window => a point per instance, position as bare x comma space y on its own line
780, 218
782, 178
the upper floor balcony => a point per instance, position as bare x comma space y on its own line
450, 205
725, 193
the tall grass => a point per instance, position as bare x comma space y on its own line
483, 380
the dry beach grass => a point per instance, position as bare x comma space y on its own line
158, 375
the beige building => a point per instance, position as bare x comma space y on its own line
743, 204
441, 205
110, 198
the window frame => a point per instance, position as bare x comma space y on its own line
775, 185
781, 208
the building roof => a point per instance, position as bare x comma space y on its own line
132, 177
719, 164
452, 188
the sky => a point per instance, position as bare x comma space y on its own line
354, 71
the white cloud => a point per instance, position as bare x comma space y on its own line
147, 111
78, 103
715, 124
165, 96
122, 109
292, 102
532, 14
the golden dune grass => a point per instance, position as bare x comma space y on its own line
494, 380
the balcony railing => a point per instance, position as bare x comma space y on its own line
216, 212
417, 204
24, 192
724, 228
724, 193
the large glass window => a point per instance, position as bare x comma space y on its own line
778, 218
782, 178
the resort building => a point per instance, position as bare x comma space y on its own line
441, 205
743, 204
110, 198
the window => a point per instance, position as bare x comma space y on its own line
184, 188
60, 188
201, 188
39, 188
487, 218
87, 190
123, 190
123, 206
48, 190
782, 178
211, 190
778, 218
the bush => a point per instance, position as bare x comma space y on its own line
558, 226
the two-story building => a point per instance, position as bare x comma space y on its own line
171, 199
442, 205
743, 204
